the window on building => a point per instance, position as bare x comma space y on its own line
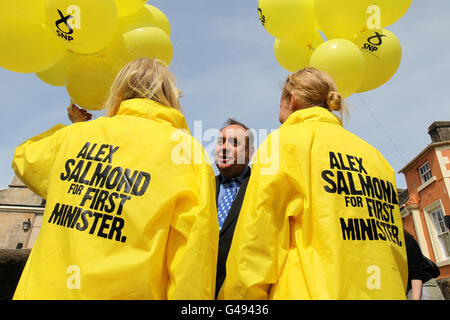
437, 216
439, 223
425, 172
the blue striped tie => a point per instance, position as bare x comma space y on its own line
227, 200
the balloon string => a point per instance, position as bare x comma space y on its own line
384, 131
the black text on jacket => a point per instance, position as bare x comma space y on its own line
104, 190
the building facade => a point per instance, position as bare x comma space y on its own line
21, 214
426, 206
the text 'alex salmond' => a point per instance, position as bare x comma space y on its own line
348, 177
101, 190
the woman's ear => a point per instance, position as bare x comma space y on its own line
293, 101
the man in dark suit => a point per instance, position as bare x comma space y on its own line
234, 148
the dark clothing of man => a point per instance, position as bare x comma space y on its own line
227, 230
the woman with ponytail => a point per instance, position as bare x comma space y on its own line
320, 218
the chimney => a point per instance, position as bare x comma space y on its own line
439, 131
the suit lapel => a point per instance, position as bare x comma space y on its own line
217, 188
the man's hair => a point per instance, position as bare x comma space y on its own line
249, 134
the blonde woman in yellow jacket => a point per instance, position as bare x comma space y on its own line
320, 218
130, 210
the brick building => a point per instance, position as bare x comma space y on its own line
425, 205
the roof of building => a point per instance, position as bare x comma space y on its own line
19, 194
421, 154
403, 196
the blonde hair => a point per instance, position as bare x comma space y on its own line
143, 78
315, 88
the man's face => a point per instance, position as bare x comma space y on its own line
232, 156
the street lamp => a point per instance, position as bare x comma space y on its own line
26, 225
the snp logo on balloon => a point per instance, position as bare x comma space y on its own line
68, 21
261, 16
374, 42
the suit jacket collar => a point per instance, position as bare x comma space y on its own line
240, 177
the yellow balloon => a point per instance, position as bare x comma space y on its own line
85, 26
391, 10
127, 7
28, 47
291, 20
148, 16
290, 55
317, 41
56, 74
116, 53
159, 19
89, 81
343, 61
29, 11
382, 54
150, 42
343, 18
142, 18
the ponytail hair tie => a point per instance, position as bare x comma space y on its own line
334, 101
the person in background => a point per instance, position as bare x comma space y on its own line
310, 228
421, 284
234, 149
124, 218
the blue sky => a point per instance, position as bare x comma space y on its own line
224, 64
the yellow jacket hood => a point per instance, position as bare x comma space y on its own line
312, 114
153, 110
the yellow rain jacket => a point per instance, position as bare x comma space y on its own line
320, 218
130, 210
